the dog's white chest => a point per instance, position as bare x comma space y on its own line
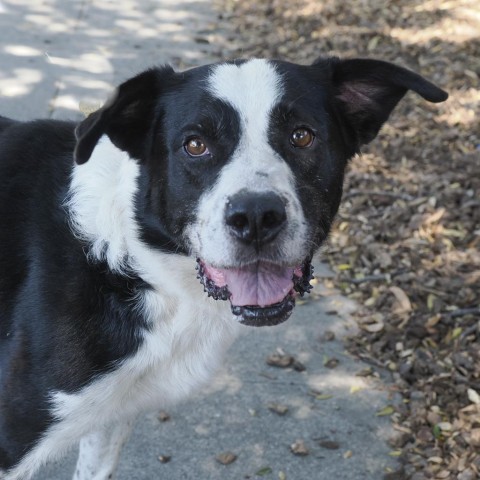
178, 355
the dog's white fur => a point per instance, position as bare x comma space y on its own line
100, 452
101, 203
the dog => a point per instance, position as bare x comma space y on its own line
134, 244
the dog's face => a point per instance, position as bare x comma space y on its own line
242, 164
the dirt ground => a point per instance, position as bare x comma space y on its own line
406, 245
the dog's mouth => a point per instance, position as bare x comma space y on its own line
260, 293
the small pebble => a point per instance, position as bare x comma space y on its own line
163, 416
226, 458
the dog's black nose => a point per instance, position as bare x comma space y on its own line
255, 217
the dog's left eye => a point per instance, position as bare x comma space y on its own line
302, 137
196, 147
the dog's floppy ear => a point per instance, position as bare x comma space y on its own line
368, 91
126, 118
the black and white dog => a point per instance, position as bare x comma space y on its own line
228, 173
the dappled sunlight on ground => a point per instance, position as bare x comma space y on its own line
226, 382
148, 33
460, 23
20, 83
464, 107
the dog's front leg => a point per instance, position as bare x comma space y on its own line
100, 450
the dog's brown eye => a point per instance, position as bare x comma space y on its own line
302, 138
196, 147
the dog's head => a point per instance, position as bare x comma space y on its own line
242, 164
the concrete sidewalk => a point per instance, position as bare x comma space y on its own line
55, 54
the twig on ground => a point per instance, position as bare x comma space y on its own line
465, 311
468, 331
356, 193
370, 278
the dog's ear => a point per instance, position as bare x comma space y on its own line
126, 118
368, 91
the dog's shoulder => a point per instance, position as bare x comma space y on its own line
41, 136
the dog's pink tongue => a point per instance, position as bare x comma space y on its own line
260, 284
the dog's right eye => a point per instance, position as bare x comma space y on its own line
196, 147
302, 137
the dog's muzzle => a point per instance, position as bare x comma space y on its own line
261, 292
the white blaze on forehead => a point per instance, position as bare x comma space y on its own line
252, 88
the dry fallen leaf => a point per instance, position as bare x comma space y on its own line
395, 453
373, 327
330, 362
474, 439
299, 448
442, 475
226, 458
329, 444
277, 408
280, 360
385, 411
473, 396
263, 471
365, 372
320, 395
467, 474
404, 304
356, 388
298, 366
